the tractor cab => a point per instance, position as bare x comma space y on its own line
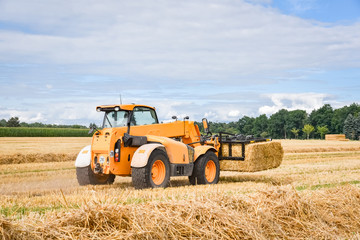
127, 115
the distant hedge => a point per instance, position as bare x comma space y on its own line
42, 132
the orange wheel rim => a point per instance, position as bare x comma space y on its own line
158, 172
210, 171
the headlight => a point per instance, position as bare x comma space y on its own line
98, 109
117, 109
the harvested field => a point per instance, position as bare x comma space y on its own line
302, 146
46, 149
267, 213
313, 194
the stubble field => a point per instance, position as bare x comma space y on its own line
314, 194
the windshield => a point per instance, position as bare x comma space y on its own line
143, 116
115, 119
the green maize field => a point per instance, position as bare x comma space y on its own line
42, 132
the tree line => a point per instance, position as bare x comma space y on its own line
297, 123
282, 124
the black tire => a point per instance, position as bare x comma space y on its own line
86, 176
192, 178
199, 176
142, 177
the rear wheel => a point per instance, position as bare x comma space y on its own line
155, 174
86, 176
206, 170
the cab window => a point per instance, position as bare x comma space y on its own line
115, 119
143, 116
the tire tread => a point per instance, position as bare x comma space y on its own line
198, 176
141, 177
138, 176
86, 176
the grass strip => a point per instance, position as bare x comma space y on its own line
326, 185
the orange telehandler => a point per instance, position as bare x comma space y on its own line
133, 143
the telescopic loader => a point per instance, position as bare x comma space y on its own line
133, 143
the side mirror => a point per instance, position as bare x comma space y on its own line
206, 125
174, 117
91, 130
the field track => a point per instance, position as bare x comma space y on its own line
315, 193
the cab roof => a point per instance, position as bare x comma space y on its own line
127, 107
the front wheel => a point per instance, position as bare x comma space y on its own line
86, 176
206, 170
156, 174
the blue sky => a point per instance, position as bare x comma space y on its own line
344, 11
220, 59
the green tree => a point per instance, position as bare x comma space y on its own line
278, 125
260, 125
321, 116
229, 129
13, 122
357, 124
322, 130
340, 114
76, 126
295, 132
264, 134
24, 124
352, 127
308, 128
216, 127
2, 123
37, 124
296, 119
245, 125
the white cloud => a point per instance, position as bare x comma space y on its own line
302, 5
23, 115
294, 101
234, 113
37, 118
211, 115
259, 1
186, 40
